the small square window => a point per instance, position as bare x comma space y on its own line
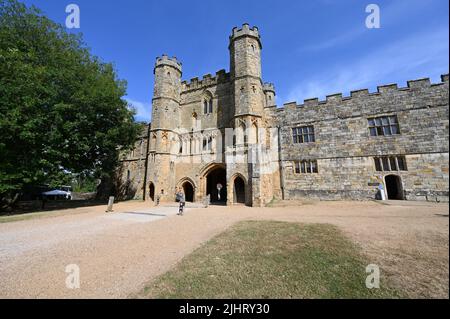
395, 130
306, 138
387, 130
386, 166
393, 163
402, 163
380, 131
393, 119
314, 167
378, 166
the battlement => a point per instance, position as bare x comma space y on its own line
165, 60
337, 98
245, 31
269, 87
207, 80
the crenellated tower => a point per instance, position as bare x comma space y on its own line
251, 96
166, 95
165, 121
245, 67
269, 91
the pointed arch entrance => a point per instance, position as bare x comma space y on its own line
189, 188
239, 190
189, 192
214, 183
394, 187
152, 192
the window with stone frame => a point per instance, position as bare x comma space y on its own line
390, 164
208, 107
384, 126
306, 167
303, 134
207, 144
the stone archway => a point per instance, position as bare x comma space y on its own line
189, 188
394, 187
239, 190
152, 192
189, 192
211, 176
216, 177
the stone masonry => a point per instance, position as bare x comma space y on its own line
223, 138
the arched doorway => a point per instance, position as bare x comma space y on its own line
152, 192
239, 190
188, 192
394, 187
217, 176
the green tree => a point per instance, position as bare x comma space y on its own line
62, 111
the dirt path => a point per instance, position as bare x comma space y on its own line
118, 253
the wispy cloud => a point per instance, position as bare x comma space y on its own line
143, 110
419, 55
391, 14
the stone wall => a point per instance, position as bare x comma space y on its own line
129, 180
345, 150
193, 95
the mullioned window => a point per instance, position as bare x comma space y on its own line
384, 126
304, 134
390, 163
306, 167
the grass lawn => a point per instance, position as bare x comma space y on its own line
259, 259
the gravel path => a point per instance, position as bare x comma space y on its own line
118, 253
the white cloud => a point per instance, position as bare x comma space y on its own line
143, 110
392, 14
332, 42
419, 55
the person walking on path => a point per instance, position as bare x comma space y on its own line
182, 200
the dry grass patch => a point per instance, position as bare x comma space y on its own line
260, 259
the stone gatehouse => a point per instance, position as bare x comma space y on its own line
224, 136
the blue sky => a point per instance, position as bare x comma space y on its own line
310, 48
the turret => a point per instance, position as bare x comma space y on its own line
165, 119
166, 96
245, 49
269, 91
245, 67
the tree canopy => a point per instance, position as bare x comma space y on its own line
62, 110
